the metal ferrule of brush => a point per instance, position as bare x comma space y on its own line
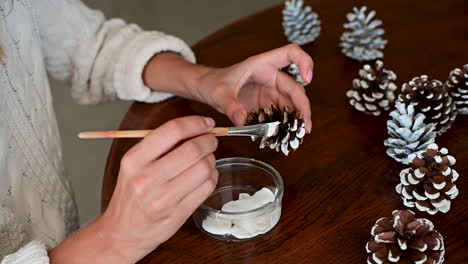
253, 130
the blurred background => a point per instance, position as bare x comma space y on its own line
188, 19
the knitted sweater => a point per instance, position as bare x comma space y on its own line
104, 60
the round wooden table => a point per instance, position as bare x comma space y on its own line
340, 181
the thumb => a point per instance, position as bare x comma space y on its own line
236, 112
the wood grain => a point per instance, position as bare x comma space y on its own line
340, 181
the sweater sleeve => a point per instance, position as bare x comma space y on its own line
104, 59
12, 239
35, 252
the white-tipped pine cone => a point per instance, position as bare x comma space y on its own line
291, 130
428, 184
431, 98
363, 41
301, 25
405, 239
457, 85
408, 133
373, 92
295, 72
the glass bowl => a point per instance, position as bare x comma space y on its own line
242, 178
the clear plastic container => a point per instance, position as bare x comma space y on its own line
238, 176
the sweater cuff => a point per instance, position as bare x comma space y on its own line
35, 252
128, 80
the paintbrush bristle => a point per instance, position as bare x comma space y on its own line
272, 129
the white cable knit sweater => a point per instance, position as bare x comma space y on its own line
104, 60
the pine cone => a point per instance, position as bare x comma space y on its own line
457, 85
295, 72
300, 24
408, 133
364, 41
374, 91
291, 129
405, 239
432, 99
428, 184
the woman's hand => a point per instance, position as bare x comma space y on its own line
254, 83
160, 184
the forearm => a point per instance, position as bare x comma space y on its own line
170, 73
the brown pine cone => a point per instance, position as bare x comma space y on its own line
373, 92
291, 130
457, 85
431, 98
405, 239
428, 184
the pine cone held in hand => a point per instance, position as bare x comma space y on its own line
363, 42
431, 98
457, 85
295, 72
373, 92
291, 130
301, 25
428, 184
408, 133
405, 239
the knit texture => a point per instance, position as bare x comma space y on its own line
35, 252
104, 60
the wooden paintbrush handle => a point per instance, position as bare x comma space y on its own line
220, 131
217, 131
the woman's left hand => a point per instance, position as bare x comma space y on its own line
249, 85
258, 82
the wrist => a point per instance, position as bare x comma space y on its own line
169, 72
95, 243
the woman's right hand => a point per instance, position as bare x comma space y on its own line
159, 187
160, 184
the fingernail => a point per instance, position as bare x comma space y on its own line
239, 118
209, 121
309, 76
309, 127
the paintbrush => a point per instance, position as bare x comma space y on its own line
254, 131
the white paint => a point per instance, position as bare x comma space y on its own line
245, 227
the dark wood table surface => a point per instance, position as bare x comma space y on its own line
340, 181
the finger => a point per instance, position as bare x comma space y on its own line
296, 93
193, 200
284, 56
277, 98
185, 156
235, 111
164, 138
284, 100
192, 178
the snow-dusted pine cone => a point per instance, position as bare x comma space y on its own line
405, 239
300, 24
428, 184
408, 133
291, 130
373, 92
457, 85
431, 98
295, 72
363, 41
